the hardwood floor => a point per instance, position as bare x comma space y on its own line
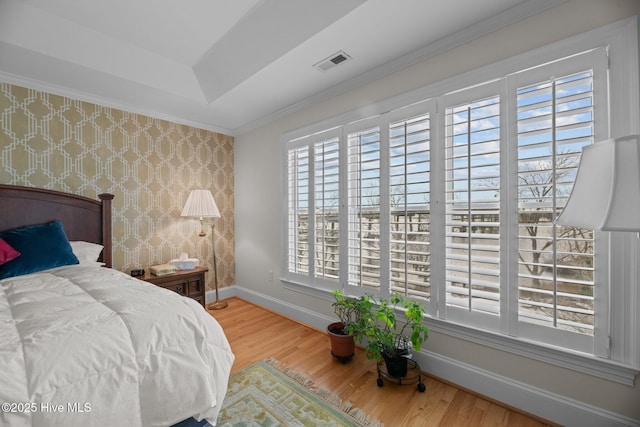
258, 334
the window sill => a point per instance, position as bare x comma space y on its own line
580, 362
303, 288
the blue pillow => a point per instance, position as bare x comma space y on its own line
41, 247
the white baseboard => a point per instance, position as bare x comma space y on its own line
299, 314
541, 403
550, 406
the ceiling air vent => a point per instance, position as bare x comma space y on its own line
332, 61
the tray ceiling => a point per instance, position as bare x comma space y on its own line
229, 66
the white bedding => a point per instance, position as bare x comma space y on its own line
90, 346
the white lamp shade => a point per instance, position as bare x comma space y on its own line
606, 193
200, 204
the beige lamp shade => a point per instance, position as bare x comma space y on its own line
200, 204
606, 193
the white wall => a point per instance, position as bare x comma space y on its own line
258, 188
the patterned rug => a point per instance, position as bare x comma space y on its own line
267, 394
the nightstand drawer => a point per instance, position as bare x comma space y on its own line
196, 286
188, 283
178, 286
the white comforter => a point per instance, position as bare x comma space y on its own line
90, 346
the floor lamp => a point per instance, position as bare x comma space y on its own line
200, 204
606, 192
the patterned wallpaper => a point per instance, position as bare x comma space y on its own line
150, 165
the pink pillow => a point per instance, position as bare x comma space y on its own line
7, 253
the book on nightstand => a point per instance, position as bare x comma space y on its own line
162, 269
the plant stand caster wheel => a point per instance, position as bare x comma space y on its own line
414, 375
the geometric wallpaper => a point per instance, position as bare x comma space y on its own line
150, 165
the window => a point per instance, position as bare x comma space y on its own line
557, 111
388, 186
472, 200
364, 204
390, 227
326, 193
298, 212
555, 120
452, 200
409, 203
313, 249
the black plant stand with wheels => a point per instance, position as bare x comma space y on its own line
414, 375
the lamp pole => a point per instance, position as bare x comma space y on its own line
217, 304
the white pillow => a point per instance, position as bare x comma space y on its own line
86, 252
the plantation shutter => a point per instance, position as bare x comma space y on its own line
298, 189
313, 196
409, 201
326, 208
472, 200
363, 222
556, 118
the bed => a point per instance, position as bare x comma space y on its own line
84, 344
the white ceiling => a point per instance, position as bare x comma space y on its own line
231, 65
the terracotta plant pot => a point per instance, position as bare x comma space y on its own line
342, 346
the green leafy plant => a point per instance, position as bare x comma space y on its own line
377, 323
347, 309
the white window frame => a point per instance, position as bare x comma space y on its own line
427, 107
597, 59
309, 141
447, 311
351, 128
617, 356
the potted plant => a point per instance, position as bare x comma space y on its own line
342, 343
386, 338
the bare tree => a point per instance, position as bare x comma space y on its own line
537, 181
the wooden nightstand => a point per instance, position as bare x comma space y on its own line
189, 283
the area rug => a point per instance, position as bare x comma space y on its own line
268, 394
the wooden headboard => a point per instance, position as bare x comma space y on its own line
83, 218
